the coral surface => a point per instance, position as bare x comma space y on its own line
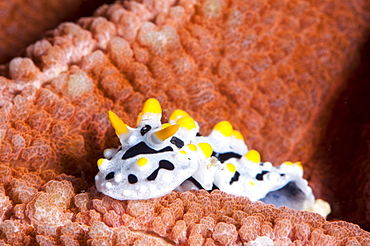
56, 215
22, 22
270, 67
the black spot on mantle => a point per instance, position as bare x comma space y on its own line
143, 148
222, 157
162, 164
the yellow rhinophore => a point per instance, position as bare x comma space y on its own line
152, 105
254, 156
142, 161
187, 122
118, 124
178, 113
224, 127
167, 132
231, 167
206, 148
165, 125
299, 164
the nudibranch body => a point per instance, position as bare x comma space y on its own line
155, 159
151, 161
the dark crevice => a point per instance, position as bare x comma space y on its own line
344, 149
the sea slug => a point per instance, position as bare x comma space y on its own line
155, 159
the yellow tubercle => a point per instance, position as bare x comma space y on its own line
251, 183
118, 124
192, 147
231, 167
167, 132
187, 122
100, 161
152, 105
183, 152
225, 128
142, 161
254, 156
237, 135
178, 113
299, 164
206, 148
289, 163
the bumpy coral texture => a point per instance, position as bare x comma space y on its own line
22, 22
269, 67
58, 216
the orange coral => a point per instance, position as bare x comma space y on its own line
268, 67
23, 22
164, 221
